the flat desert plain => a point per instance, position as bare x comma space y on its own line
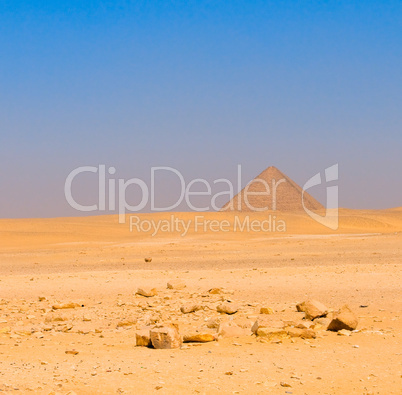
97, 265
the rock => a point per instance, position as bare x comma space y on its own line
344, 318
322, 323
303, 333
5, 329
66, 306
148, 293
344, 332
148, 259
231, 329
176, 284
266, 323
284, 384
312, 309
266, 310
190, 308
213, 323
72, 352
216, 291
304, 324
143, 338
227, 308
271, 333
201, 337
244, 323
165, 337
122, 324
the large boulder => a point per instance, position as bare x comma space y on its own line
312, 309
344, 318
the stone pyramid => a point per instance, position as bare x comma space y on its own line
284, 195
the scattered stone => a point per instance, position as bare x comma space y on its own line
271, 333
198, 338
227, 308
166, 337
190, 308
143, 338
266, 310
231, 329
283, 384
72, 352
230, 373
148, 293
344, 332
66, 306
213, 323
148, 259
125, 323
303, 333
5, 329
216, 291
266, 323
344, 318
176, 284
313, 309
304, 324
322, 323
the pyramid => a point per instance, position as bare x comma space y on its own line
284, 195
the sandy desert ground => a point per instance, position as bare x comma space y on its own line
99, 264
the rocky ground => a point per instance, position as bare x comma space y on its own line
241, 327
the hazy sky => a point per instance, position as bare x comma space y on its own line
201, 86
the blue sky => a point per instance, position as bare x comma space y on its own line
200, 86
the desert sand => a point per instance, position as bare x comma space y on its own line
99, 264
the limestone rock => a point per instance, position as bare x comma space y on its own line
266, 310
266, 323
202, 337
271, 333
143, 338
176, 284
312, 309
231, 329
344, 318
165, 337
147, 292
304, 324
322, 323
190, 308
344, 332
213, 323
66, 306
303, 333
227, 308
216, 291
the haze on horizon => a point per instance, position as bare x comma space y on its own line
201, 87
